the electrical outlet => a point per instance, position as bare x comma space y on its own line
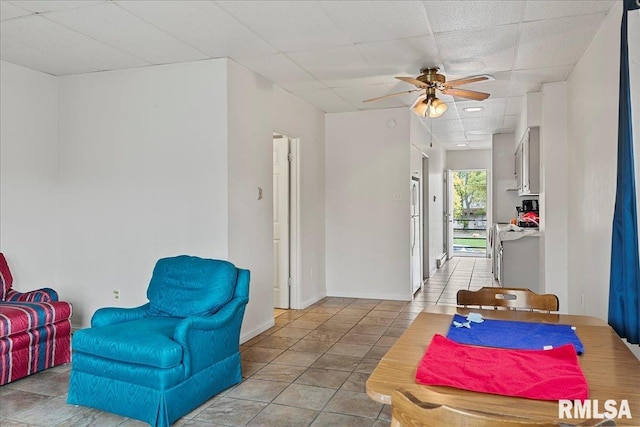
116, 294
582, 300
312, 271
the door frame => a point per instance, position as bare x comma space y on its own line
295, 258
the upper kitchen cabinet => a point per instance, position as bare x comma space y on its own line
527, 163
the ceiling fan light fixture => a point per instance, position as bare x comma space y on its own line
437, 108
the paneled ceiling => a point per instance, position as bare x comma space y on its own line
332, 54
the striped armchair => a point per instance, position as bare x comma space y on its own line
35, 329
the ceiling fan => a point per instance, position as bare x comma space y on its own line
427, 104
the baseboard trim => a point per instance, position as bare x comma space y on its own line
311, 301
370, 295
257, 331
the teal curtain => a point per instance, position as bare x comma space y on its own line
624, 282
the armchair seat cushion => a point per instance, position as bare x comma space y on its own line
148, 341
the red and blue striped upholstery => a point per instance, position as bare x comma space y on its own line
33, 337
35, 329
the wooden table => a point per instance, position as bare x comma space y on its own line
611, 370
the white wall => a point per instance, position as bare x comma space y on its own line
297, 119
419, 137
251, 166
469, 159
554, 192
367, 204
143, 175
28, 175
592, 141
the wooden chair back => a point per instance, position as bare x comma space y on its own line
408, 411
511, 298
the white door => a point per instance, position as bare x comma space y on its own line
280, 222
449, 214
416, 258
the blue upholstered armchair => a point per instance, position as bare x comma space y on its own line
158, 362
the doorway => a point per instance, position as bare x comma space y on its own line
415, 236
281, 221
467, 213
286, 223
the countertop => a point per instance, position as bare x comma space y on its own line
511, 232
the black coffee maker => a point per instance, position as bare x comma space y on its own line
528, 213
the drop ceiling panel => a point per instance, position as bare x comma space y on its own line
282, 71
479, 51
574, 35
401, 57
442, 125
510, 122
122, 30
537, 76
373, 21
536, 10
485, 124
45, 36
288, 25
45, 61
450, 137
41, 6
336, 67
355, 95
448, 15
514, 105
202, 25
491, 107
325, 99
9, 11
504, 87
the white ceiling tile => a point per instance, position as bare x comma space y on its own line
491, 107
44, 61
510, 122
356, 95
42, 6
43, 35
325, 99
281, 70
536, 10
120, 29
503, 86
441, 125
542, 75
450, 136
9, 11
202, 25
459, 15
288, 25
569, 36
514, 105
478, 51
478, 135
486, 124
334, 65
378, 20
401, 57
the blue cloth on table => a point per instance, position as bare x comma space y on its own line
514, 334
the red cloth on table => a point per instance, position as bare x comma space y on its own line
536, 374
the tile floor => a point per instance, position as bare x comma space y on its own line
310, 369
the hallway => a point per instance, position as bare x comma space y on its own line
457, 273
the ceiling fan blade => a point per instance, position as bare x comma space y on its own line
413, 81
390, 95
463, 93
470, 79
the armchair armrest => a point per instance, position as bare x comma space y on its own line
207, 339
111, 315
38, 295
